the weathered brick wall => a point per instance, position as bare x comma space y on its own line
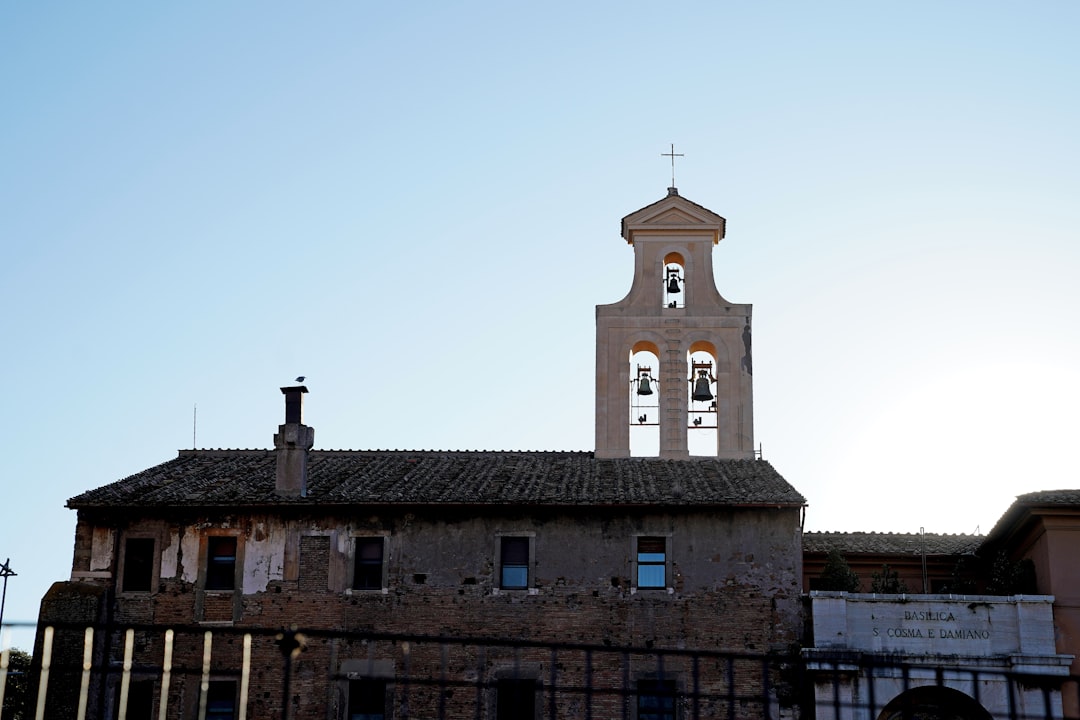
314, 563
735, 578
316, 693
67, 609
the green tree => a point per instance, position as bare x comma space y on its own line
17, 687
837, 574
1011, 578
887, 582
965, 576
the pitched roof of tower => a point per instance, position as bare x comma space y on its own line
672, 200
201, 478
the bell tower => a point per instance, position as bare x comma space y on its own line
673, 362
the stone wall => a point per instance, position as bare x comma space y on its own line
870, 653
733, 585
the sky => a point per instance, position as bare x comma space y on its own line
417, 206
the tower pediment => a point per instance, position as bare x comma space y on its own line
673, 213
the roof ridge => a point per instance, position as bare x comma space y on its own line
232, 477
890, 533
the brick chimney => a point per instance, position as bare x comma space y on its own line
292, 442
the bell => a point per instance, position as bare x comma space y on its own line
672, 284
701, 389
644, 388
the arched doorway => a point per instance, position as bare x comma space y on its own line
934, 703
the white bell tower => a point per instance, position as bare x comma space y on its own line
673, 361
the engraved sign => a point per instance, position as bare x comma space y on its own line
930, 625
976, 625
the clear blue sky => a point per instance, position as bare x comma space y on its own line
416, 205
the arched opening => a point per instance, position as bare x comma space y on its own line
644, 400
701, 415
674, 291
934, 703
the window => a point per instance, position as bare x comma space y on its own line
138, 565
140, 700
651, 562
221, 700
514, 561
656, 700
220, 562
367, 699
515, 700
368, 568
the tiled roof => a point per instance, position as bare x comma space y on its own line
1023, 505
246, 478
1050, 497
890, 543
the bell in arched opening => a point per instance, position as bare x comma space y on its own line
702, 391
673, 281
644, 381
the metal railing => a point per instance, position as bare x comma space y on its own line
151, 672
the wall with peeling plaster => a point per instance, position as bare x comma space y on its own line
438, 549
734, 583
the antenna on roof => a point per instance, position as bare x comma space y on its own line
922, 550
194, 423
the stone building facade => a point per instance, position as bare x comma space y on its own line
980, 625
529, 552
543, 547
932, 656
627, 582
1044, 528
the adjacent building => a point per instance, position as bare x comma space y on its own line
984, 626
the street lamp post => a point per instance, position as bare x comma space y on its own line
5, 572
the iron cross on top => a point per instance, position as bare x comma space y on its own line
672, 155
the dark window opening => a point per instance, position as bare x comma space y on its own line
140, 700
651, 562
656, 699
138, 565
515, 700
220, 562
514, 556
367, 699
368, 570
221, 700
